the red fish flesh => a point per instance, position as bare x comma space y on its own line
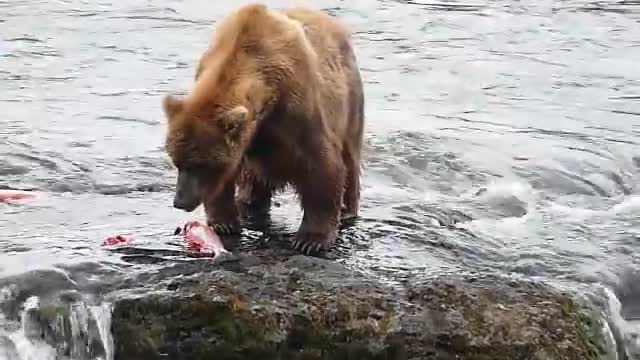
117, 240
201, 238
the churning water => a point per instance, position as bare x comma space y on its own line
501, 135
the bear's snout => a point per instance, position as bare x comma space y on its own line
180, 202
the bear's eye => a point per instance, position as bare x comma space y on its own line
186, 166
198, 168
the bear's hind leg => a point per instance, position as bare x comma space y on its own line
222, 213
321, 194
254, 195
351, 198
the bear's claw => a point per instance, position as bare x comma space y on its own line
309, 244
226, 229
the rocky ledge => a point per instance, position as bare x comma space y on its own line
311, 308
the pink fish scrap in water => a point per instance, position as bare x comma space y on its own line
117, 240
201, 238
15, 196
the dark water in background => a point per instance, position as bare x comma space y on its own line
501, 136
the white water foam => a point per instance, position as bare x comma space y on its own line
523, 191
628, 205
102, 316
629, 330
25, 348
517, 198
21, 341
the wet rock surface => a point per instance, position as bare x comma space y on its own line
311, 308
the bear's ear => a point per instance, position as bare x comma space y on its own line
235, 119
172, 105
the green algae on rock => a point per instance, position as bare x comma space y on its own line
309, 308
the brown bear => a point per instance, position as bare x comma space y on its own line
277, 100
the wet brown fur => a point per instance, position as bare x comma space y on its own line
295, 75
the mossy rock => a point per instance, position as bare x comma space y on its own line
307, 308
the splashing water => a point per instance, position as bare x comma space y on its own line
24, 346
102, 315
78, 332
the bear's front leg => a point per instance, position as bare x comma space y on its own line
321, 194
221, 211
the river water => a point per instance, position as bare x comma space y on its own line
501, 136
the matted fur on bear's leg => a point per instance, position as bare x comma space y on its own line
321, 197
253, 197
222, 213
351, 197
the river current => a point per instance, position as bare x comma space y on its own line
501, 136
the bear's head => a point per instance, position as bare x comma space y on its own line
206, 145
